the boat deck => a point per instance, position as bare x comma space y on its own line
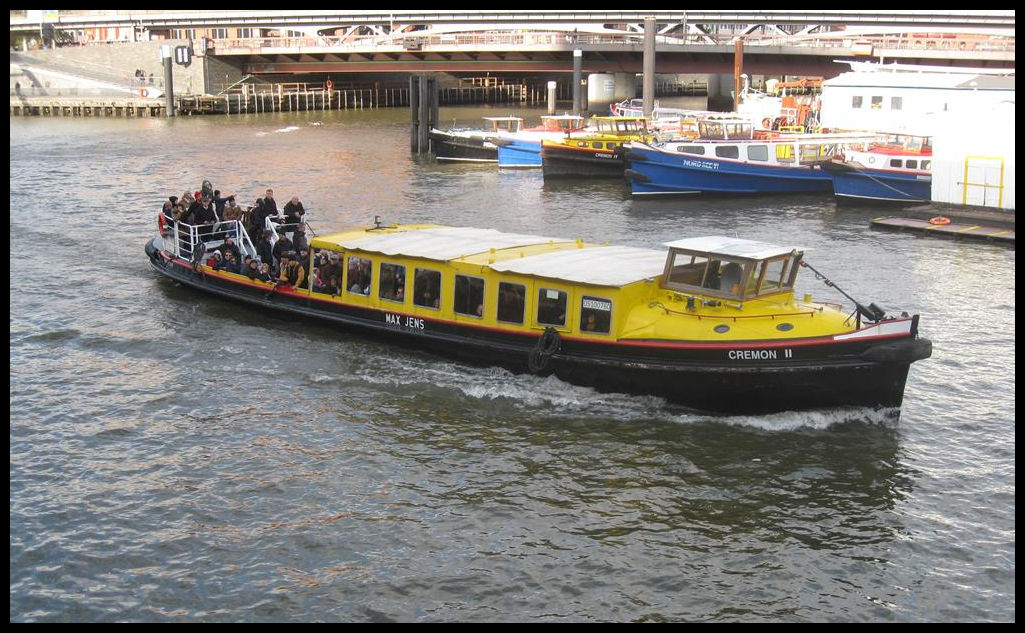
957, 230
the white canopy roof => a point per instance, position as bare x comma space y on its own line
735, 246
443, 242
596, 265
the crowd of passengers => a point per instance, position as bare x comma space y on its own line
283, 261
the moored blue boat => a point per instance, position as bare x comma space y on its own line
523, 148
897, 172
728, 158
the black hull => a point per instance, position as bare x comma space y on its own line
868, 373
564, 163
457, 148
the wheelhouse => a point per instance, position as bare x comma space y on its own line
730, 268
503, 124
621, 125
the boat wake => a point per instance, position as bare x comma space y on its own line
550, 397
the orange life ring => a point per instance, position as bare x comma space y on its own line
940, 220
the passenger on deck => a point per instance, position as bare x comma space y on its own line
299, 240
257, 217
294, 211
203, 214
292, 273
219, 202
228, 263
252, 268
232, 211
229, 245
283, 245
264, 248
304, 261
269, 204
265, 274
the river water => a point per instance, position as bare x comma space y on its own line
177, 457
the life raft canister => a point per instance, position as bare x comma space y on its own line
939, 220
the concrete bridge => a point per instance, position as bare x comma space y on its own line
370, 46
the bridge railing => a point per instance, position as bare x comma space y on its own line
563, 39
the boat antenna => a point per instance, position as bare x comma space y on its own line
871, 313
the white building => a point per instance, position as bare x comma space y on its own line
974, 164
969, 113
899, 97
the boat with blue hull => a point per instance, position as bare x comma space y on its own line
523, 148
896, 170
729, 157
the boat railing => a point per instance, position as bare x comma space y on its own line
186, 237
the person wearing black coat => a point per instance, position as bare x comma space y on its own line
264, 249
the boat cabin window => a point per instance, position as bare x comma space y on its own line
551, 306
926, 164
856, 102
895, 162
327, 268
758, 152
896, 103
392, 283
772, 275
595, 315
511, 302
358, 276
427, 288
703, 274
727, 151
877, 103
698, 150
469, 296
911, 164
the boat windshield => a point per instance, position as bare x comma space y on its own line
729, 277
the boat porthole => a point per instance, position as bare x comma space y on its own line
785, 327
722, 328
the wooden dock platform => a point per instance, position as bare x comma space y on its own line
87, 107
957, 230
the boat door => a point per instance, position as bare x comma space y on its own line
983, 183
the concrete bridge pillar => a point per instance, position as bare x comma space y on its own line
720, 88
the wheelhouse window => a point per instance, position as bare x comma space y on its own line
595, 315
697, 150
703, 274
511, 302
358, 276
727, 151
551, 306
427, 288
392, 283
758, 152
469, 296
773, 275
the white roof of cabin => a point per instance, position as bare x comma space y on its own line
442, 243
595, 265
735, 246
